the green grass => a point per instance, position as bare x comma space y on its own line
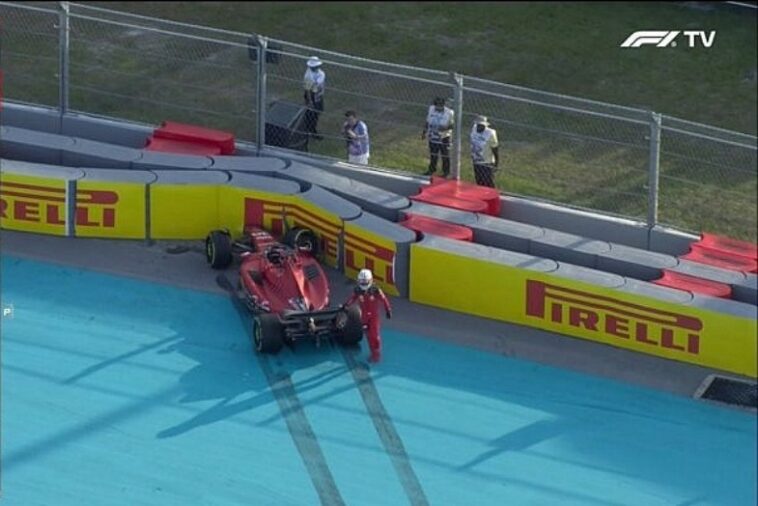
569, 48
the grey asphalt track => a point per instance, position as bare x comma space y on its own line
182, 263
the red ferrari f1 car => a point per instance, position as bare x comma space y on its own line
284, 287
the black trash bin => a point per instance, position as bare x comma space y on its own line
285, 126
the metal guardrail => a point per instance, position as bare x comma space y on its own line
587, 154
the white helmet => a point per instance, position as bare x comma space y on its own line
365, 279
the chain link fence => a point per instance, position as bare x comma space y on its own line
708, 179
553, 147
392, 104
29, 54
584, 158
149, 71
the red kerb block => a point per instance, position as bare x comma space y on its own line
467, 191
472, 206
694, 284
195, 134
718, 258
425, 225
180, 147
729, 245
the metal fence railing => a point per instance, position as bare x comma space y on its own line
587, 154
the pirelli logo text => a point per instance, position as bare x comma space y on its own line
270, 215
361, 253
47, 205
613, 318
266, 214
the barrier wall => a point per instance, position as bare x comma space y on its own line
112, 204
36, 198
185, 204
152, 199
255, 200
370, 198
583, 223
384, 247
323, 213
515, 290
265, 166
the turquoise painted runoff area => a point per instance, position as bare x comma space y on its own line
121, 392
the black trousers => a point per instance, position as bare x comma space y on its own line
310, 123
436, 150
484, 174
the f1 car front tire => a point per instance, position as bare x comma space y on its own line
268, 334
218, 249
351, 332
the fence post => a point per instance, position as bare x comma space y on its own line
261, 93
457, 133
63, 47
654, 169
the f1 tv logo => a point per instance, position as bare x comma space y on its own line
667, 39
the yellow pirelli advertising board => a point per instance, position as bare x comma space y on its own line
326, 226
685, 333
240, 207
110, 209
364, 249
183, 211
33, 204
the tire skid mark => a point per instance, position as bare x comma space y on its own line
291, 409
393, 445
302, 433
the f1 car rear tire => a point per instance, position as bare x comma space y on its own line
218, 249
300, 238
352, 332
268, 334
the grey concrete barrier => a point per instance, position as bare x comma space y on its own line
747, 290
362, 251
653, 291
263, 183
40, 170
331, 203
488, 230
709, 272
401, 184
440, 213
670, 241
574, 221
569, 248
88, 153
242, 148
635, 262
506, 234
32, 145
157, 160
589, 276
121, 133
265, 165
725, 306
119, 175
372, 199
41, 119
490, 254
191, 177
